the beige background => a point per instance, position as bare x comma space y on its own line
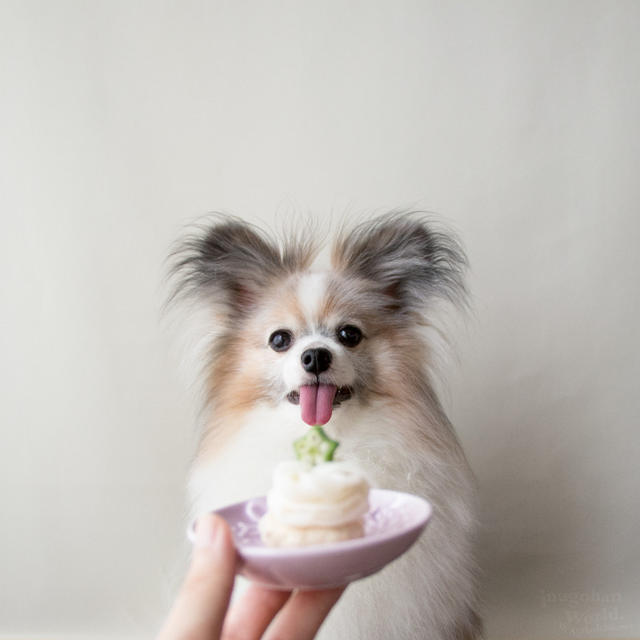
120, 121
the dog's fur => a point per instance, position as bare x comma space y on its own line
385, 277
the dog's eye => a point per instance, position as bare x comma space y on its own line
280, 340
349, 335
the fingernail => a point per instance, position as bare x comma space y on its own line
206, 529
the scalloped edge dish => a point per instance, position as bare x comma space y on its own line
395, 521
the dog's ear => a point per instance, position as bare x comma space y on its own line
406, 257
230, 263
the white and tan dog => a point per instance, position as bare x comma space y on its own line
284, 343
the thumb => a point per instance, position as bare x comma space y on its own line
201, 605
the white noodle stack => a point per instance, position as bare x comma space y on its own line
314, 505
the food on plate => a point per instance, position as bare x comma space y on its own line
315, 500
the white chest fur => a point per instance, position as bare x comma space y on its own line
243, 468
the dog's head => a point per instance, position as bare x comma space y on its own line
284, 332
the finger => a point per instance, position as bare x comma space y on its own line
251, 615
303, 614
199, 610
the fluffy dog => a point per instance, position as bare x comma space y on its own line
274, 323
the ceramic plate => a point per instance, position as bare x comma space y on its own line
394, 522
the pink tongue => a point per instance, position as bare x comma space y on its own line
316, 403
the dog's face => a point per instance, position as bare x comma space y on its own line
318, 339
317, 329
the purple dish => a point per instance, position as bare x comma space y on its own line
392, 525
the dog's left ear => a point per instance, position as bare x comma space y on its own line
406, 257
230, 264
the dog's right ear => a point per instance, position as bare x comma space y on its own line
227, 262
406, 257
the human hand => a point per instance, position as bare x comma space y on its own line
200, 611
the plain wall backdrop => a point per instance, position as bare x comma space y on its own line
516, 122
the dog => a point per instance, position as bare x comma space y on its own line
270, 322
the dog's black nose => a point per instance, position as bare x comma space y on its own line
316, 360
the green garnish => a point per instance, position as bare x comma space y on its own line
315, 447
